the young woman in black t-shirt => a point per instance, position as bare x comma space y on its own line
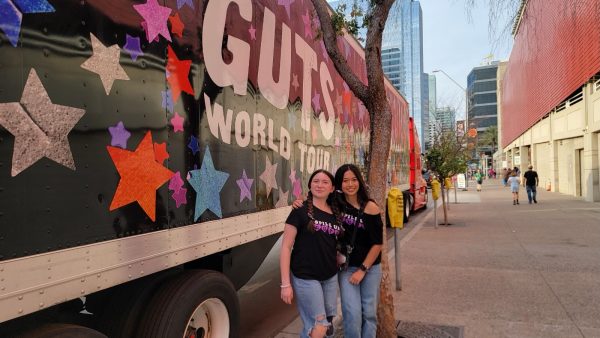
308, 251
359, 283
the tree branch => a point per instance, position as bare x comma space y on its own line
377, 20
341, 65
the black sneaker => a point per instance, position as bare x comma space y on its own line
535, 201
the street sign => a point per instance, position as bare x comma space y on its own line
460, 181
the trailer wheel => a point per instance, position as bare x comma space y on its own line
196, 303
408, 203
63, 331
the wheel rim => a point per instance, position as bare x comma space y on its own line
209, 320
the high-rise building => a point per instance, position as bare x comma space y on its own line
445, 118
402, 56
431, 123
483, 103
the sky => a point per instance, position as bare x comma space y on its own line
455, 42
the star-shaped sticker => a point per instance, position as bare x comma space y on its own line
178, 78
180, 197
160, 152
245, 185
307, 25
176, 25
268, 176
132, 46
105, 62
180, 3
297, 189
11, 17
316, 100
252, 32
140, 175
287, 4
176, 183
39, 126
167, 101
295, 83
207, 182
119, 135
177, 122
283, 199
193, 144
156, 17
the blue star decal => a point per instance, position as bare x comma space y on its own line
11, 15
207, 182
193, 145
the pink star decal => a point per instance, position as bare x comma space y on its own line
316, 100
176, 182
252, 32
177, 122
295, 83
245, 185
156, 17
292, 175
180, 197
297, 189
287, 4
307, 25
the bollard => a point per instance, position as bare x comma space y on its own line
435, 194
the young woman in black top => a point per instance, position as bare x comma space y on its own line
308, 251
359, 283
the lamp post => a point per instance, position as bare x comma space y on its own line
466, 109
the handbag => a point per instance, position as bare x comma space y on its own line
344, 251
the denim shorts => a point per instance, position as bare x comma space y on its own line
316, 300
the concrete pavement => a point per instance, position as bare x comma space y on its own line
502, 270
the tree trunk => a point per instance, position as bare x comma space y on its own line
444, 205
379, 145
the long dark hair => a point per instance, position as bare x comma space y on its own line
362, 193
331, 201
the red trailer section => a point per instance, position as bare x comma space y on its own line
418, 186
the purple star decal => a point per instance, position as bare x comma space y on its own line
245, 185
119, 135
316, 100
180, 197
287, 4
11, 17
252, 32
167, 100
307, 25
156, 17
180, 3
132, 46
193, 144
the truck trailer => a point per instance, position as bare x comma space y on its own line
149, 152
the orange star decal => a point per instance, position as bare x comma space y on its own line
140, 175
178, 75
176, 25
160, 152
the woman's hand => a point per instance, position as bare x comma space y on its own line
357, 277
287, 294
297, 203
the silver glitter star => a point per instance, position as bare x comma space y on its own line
39, 126
105, 62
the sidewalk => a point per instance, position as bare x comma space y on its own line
501, 270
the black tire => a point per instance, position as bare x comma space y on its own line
407, 206
63, 331
171, 308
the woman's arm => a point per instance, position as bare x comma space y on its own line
289, 235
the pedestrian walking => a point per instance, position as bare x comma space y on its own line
514, 182
531, 182
505, 176
308, 256
479, 179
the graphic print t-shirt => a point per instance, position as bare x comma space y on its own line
369, 232
313, 255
